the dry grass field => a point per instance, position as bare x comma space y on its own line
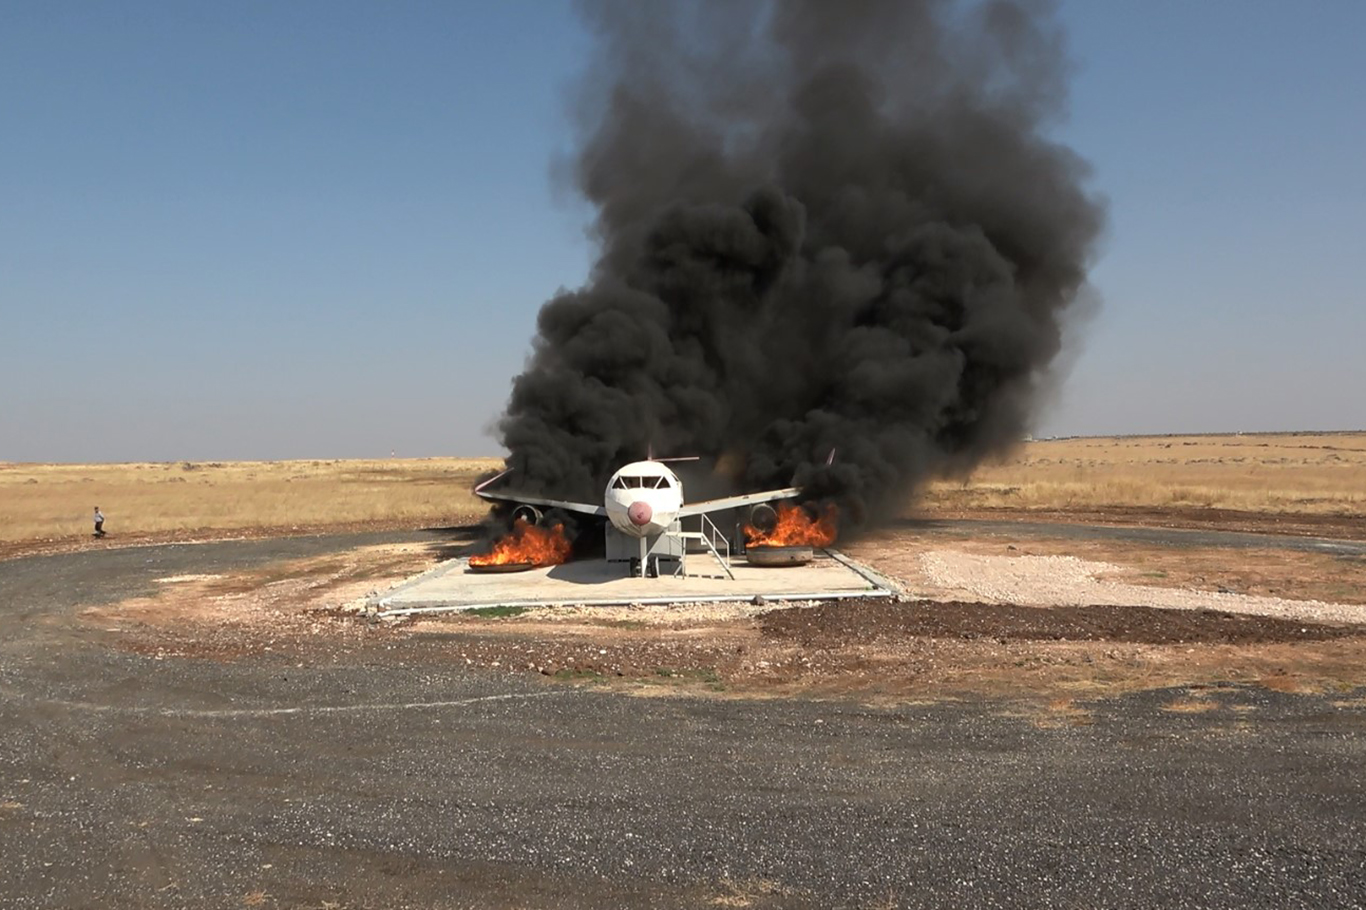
1291, 473
43, 502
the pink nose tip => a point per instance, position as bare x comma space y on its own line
640, 513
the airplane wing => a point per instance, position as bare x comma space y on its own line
522, 499
735, 502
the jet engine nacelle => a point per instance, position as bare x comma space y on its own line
530, 514
762, 516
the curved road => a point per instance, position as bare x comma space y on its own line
385, 775
1160, 537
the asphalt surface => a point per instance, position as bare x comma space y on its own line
1162, 537
385, 775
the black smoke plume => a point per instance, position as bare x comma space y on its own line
822, 225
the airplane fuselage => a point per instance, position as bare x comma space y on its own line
643, 501
643, 498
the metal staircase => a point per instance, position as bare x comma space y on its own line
713, 541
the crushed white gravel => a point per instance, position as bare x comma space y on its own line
1069, 581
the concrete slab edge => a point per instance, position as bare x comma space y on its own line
873, 577
643, 601
380, 608
377, 602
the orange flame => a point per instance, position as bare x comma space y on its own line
796, 527
528, 543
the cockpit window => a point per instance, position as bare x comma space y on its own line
641, 483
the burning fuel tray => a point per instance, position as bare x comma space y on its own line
772, 557
497, 568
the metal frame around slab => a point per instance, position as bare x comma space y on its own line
881, 587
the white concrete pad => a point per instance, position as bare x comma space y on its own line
451, 586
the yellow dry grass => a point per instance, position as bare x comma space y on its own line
1310, 473
55, 501
1323, 473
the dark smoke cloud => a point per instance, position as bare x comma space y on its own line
822, 225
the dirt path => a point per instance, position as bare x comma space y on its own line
394, 530
1219, 522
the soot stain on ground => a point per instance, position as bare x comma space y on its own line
826, 624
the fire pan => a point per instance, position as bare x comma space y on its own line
496, 568
778, 556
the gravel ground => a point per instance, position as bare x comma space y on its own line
1069, 581
371, 769
183, 784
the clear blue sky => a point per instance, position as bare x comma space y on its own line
323, 229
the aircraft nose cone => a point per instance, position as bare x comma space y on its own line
640, 513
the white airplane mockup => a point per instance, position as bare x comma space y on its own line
643, 504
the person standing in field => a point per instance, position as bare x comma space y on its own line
99, 522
